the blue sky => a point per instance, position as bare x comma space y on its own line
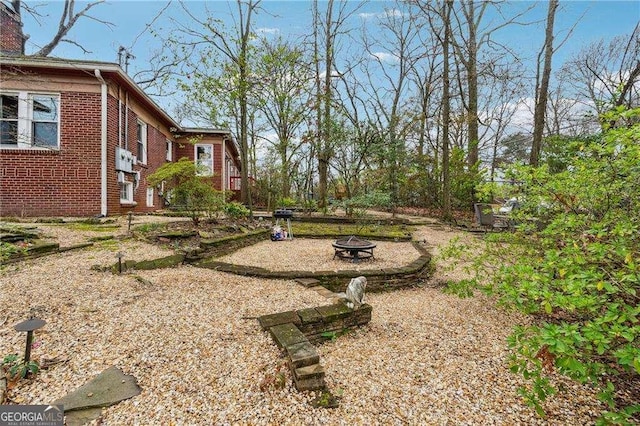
596, 19
593, 20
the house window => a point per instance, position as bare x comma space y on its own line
149, 197
204, 160
29, 120
126, 192
142, 142
9, 123
169, 150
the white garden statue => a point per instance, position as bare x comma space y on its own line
355, 292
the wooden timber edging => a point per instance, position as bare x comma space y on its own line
377, 279
41, 249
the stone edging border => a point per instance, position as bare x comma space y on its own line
204, 257
336, 281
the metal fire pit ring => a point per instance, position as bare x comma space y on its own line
353, 248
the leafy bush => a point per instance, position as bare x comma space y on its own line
15, 368
235, 210
358, 205
287, 202
573, 264
187, 191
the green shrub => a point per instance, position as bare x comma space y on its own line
235, 210
358, 205
188, 192
573, 263
287, 202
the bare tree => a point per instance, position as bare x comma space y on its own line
542, 86
68, 18
282, 94
204, 37
606, 73
393, 53
327, 30
447, 7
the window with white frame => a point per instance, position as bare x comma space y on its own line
126, 192
149, 196
169, 150
29, 120
204, 159
142, 142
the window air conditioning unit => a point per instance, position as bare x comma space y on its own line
121, 177
124, 160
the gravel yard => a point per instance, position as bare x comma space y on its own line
317, 255
190, 337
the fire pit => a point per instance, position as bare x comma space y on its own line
353, 248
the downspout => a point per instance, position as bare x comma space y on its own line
224, 168
103, 145
119, 117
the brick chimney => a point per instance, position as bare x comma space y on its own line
11, 37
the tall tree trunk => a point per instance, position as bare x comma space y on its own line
542, 90
324, 153
243, 63
446, 114
322, 168
472, 83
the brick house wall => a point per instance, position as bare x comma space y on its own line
186, 149
157, 135
64, 182
67, 181
11, 38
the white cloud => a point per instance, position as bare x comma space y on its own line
392, 12
334, 74
523, 116
368, 15
265, 30
388, 13
386, 57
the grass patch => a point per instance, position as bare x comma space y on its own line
79, 226
7, 250
370, 230
145, 228
110, 244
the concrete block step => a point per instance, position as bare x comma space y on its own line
302, 354
309, 372
287, 335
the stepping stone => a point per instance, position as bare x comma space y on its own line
302, 354
108, 388
81, 417
310, 371
309, 378
309, 315
308, 282
287, 335
323, 291
268, 321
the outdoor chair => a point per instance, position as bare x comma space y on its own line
486, 218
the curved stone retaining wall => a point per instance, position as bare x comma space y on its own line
337, 281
